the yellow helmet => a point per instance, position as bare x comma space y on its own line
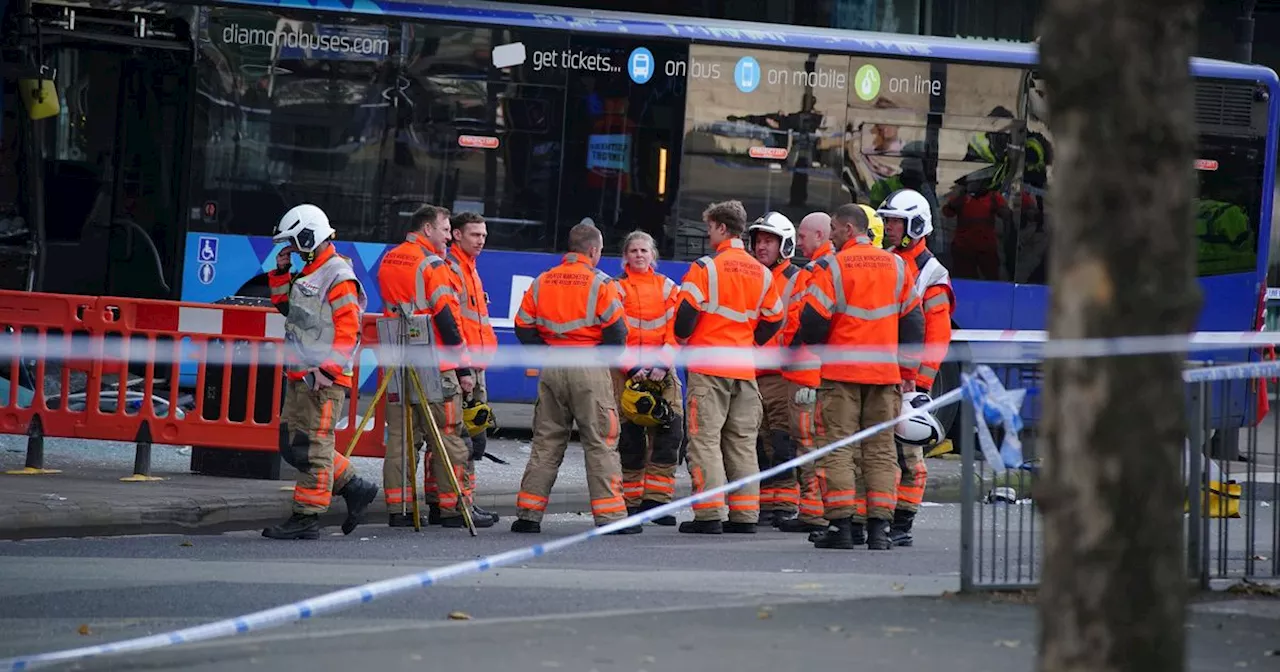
642, 404
875, 225
478, 417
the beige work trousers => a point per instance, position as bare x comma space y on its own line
307, 444
724, 417
448, 419
781, 492
804, 433
843, 410
566, 396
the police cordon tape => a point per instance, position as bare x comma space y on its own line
1020, 347
349, 597
993, 406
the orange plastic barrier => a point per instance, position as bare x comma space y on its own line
93, 343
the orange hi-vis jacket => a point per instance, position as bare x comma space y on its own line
727, 300
802, 366
335, 328
473, 302
938, 302
574, 305
863, 299
786, 276
649, 302
412, 276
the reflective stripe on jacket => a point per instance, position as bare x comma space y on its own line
649, 302
473, 303
323, 306
731, 293
570, 304
863, 295
938, 302
413, 277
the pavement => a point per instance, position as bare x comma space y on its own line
88, 498
658, 600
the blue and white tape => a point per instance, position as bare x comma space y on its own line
994, 406
349, 597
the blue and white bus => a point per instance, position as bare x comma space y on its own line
538, 117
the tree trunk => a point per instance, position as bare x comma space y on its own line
1121, 113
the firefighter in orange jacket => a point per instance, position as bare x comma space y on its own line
647, 388
323, 306
802, 371
727, 300
415, 280
862, 305
575, 307
907, 222
773, 243
470, 232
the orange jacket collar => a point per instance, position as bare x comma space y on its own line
780, 267
856, 240
575, 258
915, 250
423, 242
823, 250
631, 272
321, 257
732, 242
462, 255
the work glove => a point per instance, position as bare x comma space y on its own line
806, 396
318, 380
657, 375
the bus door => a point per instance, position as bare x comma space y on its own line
115, 156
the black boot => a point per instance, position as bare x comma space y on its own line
857, 532
433, 514
665, 521
839, 535
633, 529
526, 526
359, 494
702, 527
780, 517
739, 528
404, 520
299, 526
900, 530
477, 513
455, 522
797, 525
878, 535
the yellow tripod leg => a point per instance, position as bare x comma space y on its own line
364, 422
411, 455
463, 504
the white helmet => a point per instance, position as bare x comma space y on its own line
908, 204
921, 429
305, 227
777, 224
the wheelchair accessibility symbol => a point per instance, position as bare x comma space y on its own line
207, 250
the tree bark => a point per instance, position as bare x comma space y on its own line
1121, 113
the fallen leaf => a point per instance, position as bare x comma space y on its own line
764, 612
1008, 643
459, 616
83, 629
893, 629
899, 587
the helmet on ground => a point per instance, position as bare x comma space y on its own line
920, 429
305, 227
642, 404
875, 225
478, 417
779, 225
909, 205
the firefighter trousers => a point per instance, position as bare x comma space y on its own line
775, 445
802, 429
307, 444
845, 409
649, 454
914, 477
448, 418
724, 418
566, 396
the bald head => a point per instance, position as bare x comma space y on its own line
815, 229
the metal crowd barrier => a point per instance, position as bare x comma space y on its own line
1232, 529
70, 376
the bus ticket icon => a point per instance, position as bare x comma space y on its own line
640, 65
